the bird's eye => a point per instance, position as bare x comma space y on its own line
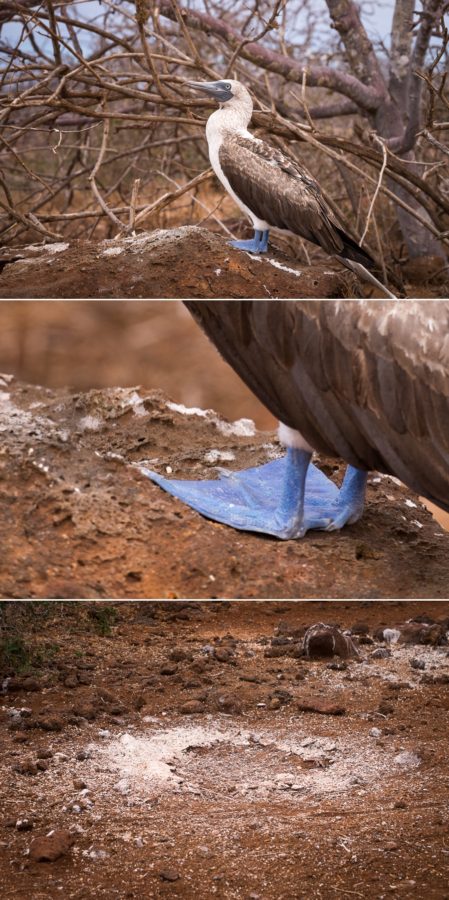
227, 87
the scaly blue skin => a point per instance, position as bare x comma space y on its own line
257, 244
284, 498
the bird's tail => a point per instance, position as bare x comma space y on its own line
360, 262
353, 252
365, 273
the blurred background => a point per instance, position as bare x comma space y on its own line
156, 344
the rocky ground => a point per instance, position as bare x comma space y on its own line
172, 263
78, 519
194, 262
192, 750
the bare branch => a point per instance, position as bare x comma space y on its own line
360, 52
342, 82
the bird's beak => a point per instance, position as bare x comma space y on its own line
218, 90
207, 87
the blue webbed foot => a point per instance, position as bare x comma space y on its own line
284, 498
350, 502
257, 244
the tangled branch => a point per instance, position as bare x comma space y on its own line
96, 119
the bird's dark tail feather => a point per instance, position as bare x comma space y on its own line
360, 262
352, 251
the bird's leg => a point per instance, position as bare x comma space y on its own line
297, 511
348, 507
288, 519
257, 244
263, 247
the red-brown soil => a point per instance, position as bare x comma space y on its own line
79, 520
248, 797
174, 263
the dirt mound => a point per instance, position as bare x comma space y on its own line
78, 518
174, 263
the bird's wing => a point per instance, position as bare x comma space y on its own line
367, 381
278, 190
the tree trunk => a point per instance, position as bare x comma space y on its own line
418, 240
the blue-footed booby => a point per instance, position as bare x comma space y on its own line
365, 381
272, 189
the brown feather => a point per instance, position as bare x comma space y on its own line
283, 193
367, 381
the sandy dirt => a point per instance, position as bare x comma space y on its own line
78, 519
167, 747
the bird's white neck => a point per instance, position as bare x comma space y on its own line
232, 117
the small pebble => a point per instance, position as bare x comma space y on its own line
169, 875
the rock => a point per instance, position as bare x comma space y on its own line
86, 711
169, 875
24, 824
191, 707
31, 684
117, 709
44, 753
274, 703
103, 695
321, 641
407, 758
52, 847
417, 663
281, 639
381, 653
422, 633
275, 652
177, 654
51, 723
321, 707
79, 784
385, 708
228, 703
43, 765
285, 778
82, 755
26, 767
71, 681
168, 669
222, 655
360, 628
375, 732
282, 695
414, 632
122, 787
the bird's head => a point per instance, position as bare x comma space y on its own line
227, 92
